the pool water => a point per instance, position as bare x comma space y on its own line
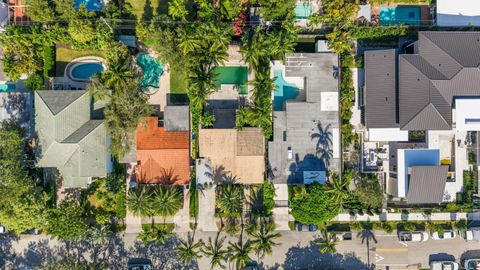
303, 10
231, 75
5, 87
152, 70
87, 70
92, 5
409, 15
283, 91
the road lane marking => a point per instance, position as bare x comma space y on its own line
391, 250
378, 258
403, 243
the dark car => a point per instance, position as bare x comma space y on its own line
139, 264
305, 228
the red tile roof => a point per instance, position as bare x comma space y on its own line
150, 136
163, 157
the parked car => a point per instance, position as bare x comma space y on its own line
416, 236
3, 229
139, 264
444, 265
306, 228
447, 234
471, 264
467, 235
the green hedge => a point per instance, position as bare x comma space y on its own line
48, 61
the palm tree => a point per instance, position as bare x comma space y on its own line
328, 242
177, 9
117, 75
240, 252
140, 202
366, 234
167, 201
189, 249
264, 239
152, 233
230, 199
216, 252
338, 189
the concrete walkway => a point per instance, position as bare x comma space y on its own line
206, 210
182, 218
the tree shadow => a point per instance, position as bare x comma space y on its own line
147, 15
309, 257
324, 142
6, 252
309, 162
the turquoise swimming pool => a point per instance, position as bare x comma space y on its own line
152, 70
303, 10
409, 15
283, 91
86, 71
6, 87
93, 5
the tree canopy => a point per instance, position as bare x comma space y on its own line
66, 221
22, 203
312, 205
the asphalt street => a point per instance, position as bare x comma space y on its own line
296, 251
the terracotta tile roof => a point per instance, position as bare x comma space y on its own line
163, 166
163, 157
150, 136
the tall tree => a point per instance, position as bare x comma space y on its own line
215, 251
240, 252
23, 204
264, 239
66, 222
230, 199
140, 202
312, 205
167, 201
40, 11
327, 242
188, 249
338, 188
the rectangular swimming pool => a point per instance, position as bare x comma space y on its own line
409, 15
237, 75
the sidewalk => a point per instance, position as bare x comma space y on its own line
445, 216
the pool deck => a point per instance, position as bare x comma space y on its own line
160, 96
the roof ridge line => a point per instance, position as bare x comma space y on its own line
434, 44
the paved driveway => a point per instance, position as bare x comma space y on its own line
206, 210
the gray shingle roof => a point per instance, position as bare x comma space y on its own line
446, 67
177, 118
427, 184
380, 89
83, 131
56, 101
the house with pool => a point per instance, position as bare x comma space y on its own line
306, 140
73, 142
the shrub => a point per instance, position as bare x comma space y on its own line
268, 198
387, 227
312, 205
48, 61
35, 82
409, 226
451, 206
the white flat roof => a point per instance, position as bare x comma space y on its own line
467, 114
336, 142
387, 134
329, 101
458, 12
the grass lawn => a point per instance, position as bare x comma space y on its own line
178, 81
156, 7
66, 55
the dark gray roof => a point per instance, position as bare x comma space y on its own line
57, 100
445, 67
177, 118
427, 184
83, 131
380, 89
